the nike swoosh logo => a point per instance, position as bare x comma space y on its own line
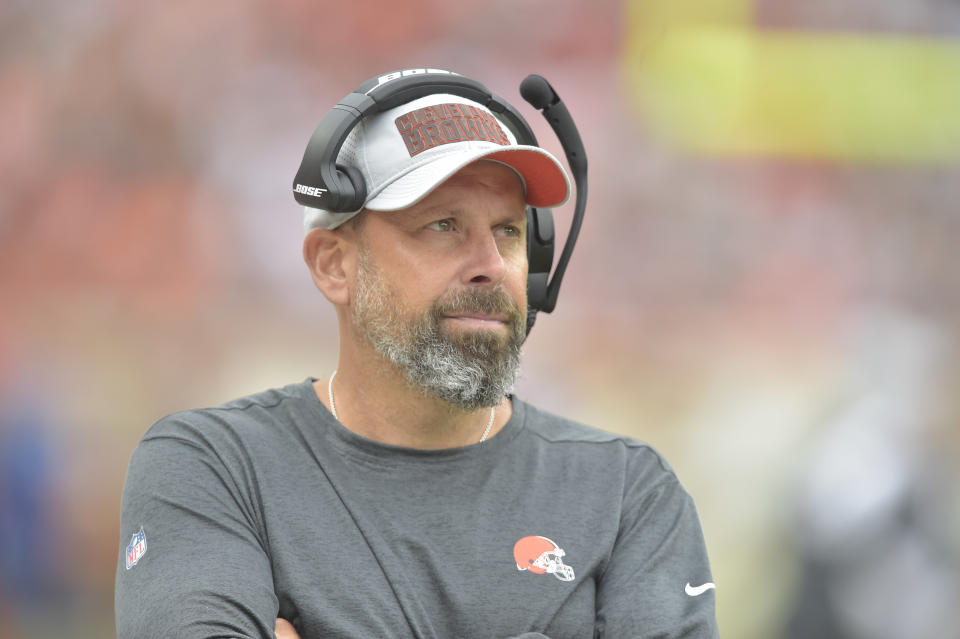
699, 590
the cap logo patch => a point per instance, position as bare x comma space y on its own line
432, 126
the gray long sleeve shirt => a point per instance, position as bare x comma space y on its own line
267, 506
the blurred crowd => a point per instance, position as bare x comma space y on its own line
783, 328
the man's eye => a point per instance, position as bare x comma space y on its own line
510, 230
441, 225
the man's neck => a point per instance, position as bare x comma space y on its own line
374, 400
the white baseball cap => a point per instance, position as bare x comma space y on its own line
408, 151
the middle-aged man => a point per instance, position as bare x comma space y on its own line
409, 493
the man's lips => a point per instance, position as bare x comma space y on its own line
478, 319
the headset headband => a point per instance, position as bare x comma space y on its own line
321, 184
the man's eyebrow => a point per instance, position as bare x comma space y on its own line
453, 210
518, 217
444, 209
520, 214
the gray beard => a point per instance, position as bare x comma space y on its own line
468, 371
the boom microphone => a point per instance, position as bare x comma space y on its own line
537, 91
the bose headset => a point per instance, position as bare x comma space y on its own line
323, 184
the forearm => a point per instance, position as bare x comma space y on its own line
285, 630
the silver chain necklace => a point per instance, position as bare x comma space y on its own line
333, 409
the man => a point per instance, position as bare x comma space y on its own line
408, 493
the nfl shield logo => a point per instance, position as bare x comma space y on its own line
136, 548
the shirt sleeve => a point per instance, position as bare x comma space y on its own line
192, 561
655, 583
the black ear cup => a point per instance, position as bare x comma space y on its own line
540, 241
351, 188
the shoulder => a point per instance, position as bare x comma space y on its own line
631, 455
247, 416
227, 445
235, 434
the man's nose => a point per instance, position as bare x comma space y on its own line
484, 264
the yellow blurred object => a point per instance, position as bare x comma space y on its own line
708, 82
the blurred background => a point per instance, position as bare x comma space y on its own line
766, 287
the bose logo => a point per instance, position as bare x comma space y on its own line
316, 191
383, 79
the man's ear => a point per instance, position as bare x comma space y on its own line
329, 256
